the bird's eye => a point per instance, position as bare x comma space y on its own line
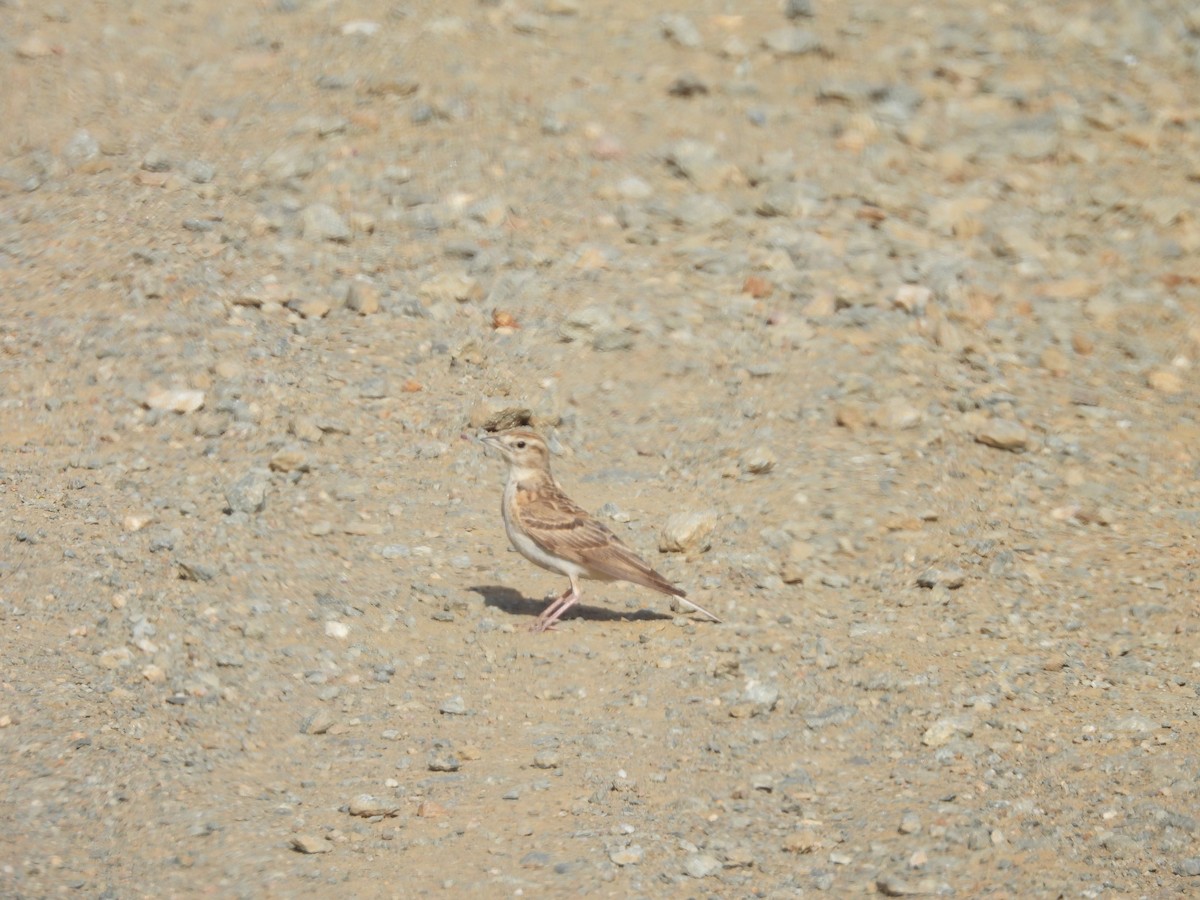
520, 445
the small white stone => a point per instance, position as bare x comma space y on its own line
701, 865
361, 26
758, 461
136, 521
178, 400
688, 532
338, 630
627, 856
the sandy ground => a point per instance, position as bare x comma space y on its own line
874, 325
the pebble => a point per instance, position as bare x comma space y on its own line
311, 307
81, 148
363, 298
452, 287
852, 416
688, 532
898, 414
249, 493
115, 658
1165, 381
595, 325
547, 759
680, 30
951, 577
373, 389
765, 696
306, 429
156, 160
368, 807
701, 865
702, 211
442, 760
174, 400
338, 630
894, 886
688, 85
199, 172
758, 461
321, 222
796, 564
629, 855
944, 730
137, 521
307, 843
802, 840
193, 570
1189, 868
914, 299
430, 809
1136, 725
318, 722
287, 163
632, 187
698, 162
788, 199
1003, 434
363, 27
289, 459
455, 706
34, 47
792, 41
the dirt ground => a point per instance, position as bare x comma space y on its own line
875, 326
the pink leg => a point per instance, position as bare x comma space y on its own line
550, 610
554, 611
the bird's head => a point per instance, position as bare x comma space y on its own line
522, 448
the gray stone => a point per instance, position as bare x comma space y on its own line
944, 730
701, 865
950, 577
547, 759
1189, 868
321, 222
629, 855
368, 807
455, 706
792, 41
199, 172
796, 9
680, 30
249, 493
81, 148
702, 211
698, 162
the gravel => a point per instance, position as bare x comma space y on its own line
874, 328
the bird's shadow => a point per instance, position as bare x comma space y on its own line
517, 604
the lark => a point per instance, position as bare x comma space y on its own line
552, 531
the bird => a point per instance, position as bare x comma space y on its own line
550, 530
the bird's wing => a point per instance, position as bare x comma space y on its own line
561, 527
